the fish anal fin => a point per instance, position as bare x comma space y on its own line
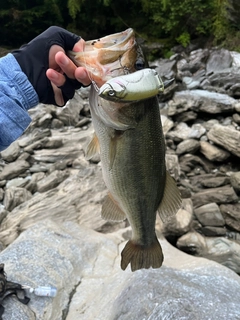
142, 257
111, 210
171, 201
93, 147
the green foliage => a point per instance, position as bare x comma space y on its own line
184, 39
166, 21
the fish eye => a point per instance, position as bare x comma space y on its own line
111, 93
139, 65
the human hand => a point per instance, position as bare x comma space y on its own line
52, 74
62, 69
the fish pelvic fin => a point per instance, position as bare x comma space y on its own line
171, 201
142, 257
93, 147
111, 210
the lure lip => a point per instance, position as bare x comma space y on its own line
168, 83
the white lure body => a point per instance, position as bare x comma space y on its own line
140, 85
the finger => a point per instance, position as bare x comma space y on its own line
66, 65
58, 95
55, 77
82, 76
79, 46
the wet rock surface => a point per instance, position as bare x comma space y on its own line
51, 231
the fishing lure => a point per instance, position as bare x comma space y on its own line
140, 85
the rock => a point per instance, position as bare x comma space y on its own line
210, 215
54, 143
34, 135
51, 181
69, 114
213, 231
1, 194
77, 199
182, 131
36, 145
213, 153
14, 196
14, 169
218, 249
181, 222
214, 182
236, 118
56, 124
173, 166
218, 61
188, 146
18, 182
85, 268
219, 195
226, 137
167, 124
11, 153
235, 181
231, 214
201, 101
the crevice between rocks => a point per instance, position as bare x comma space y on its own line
65, 311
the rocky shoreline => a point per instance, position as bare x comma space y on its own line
50, 202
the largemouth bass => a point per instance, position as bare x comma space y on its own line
130, 140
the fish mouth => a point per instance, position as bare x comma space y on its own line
107, 57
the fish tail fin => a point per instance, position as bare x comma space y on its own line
142, 257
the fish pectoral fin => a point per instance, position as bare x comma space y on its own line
111, 210
142, 257
118, 134
93, 147
171, 201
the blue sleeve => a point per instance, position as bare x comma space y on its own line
17, 95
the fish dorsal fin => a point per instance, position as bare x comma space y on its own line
93, 147
171, 201
111, 210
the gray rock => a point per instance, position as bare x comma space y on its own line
219, 195
213, 231
56, 124
11, 153
172, 165
201, 101
70, 201
213, 153
210, 215
14, 169
85, 268
218, 61
33, 135
235, 181
188, 146
53, 143
14, 196
182, 132
181, 222
214, 182
52, 180
231, 214
226, 137
1, 194
218, 249
157, 294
